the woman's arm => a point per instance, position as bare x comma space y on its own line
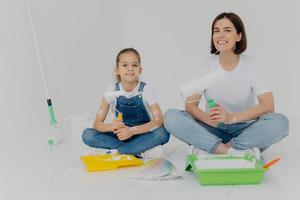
192, 107
265, 105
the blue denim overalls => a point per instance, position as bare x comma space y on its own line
133, 109
134, 114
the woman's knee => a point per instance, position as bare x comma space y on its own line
171, 118
278, 125
281, 123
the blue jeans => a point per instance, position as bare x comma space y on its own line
262, 133
134, 145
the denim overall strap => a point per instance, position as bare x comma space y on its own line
117, 88
141, 88
133, 109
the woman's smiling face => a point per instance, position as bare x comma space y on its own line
225, 35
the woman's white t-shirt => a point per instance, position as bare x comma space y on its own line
149, 97
239, 89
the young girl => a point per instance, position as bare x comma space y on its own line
140, 127
237, 124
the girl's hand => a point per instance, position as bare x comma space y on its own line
124, 133
117, 124
219, 115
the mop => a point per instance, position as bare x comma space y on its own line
55, 133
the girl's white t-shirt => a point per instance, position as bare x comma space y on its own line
239, 89
149, 97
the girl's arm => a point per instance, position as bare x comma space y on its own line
100, 117
192, 107
156, 122
266, 105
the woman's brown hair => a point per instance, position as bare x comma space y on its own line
241, 45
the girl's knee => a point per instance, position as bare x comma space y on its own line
161, 135
166, 137
87, 135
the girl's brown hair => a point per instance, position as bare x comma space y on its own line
241, 45
123, 51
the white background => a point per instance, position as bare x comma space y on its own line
80, 39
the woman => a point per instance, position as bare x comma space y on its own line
237, 124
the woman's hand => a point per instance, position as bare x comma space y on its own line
219, 115
124, 133
211, 123
117, 124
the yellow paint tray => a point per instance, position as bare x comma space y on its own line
109, 162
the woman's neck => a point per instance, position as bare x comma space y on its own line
129, 86
229, 60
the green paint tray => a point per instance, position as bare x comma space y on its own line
227, 169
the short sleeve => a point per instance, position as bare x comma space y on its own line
149, 95
259, 81
108, 95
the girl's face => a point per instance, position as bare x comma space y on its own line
128, 67
225, 35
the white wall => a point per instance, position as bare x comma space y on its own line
21, 97
295, 72
174, 36
80, 39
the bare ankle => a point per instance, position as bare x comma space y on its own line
221, 149
228, 144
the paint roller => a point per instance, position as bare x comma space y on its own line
55, 135
199, 85
110, 96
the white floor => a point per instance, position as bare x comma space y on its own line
30, 170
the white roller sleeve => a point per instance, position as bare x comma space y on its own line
110, 96
199, 85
